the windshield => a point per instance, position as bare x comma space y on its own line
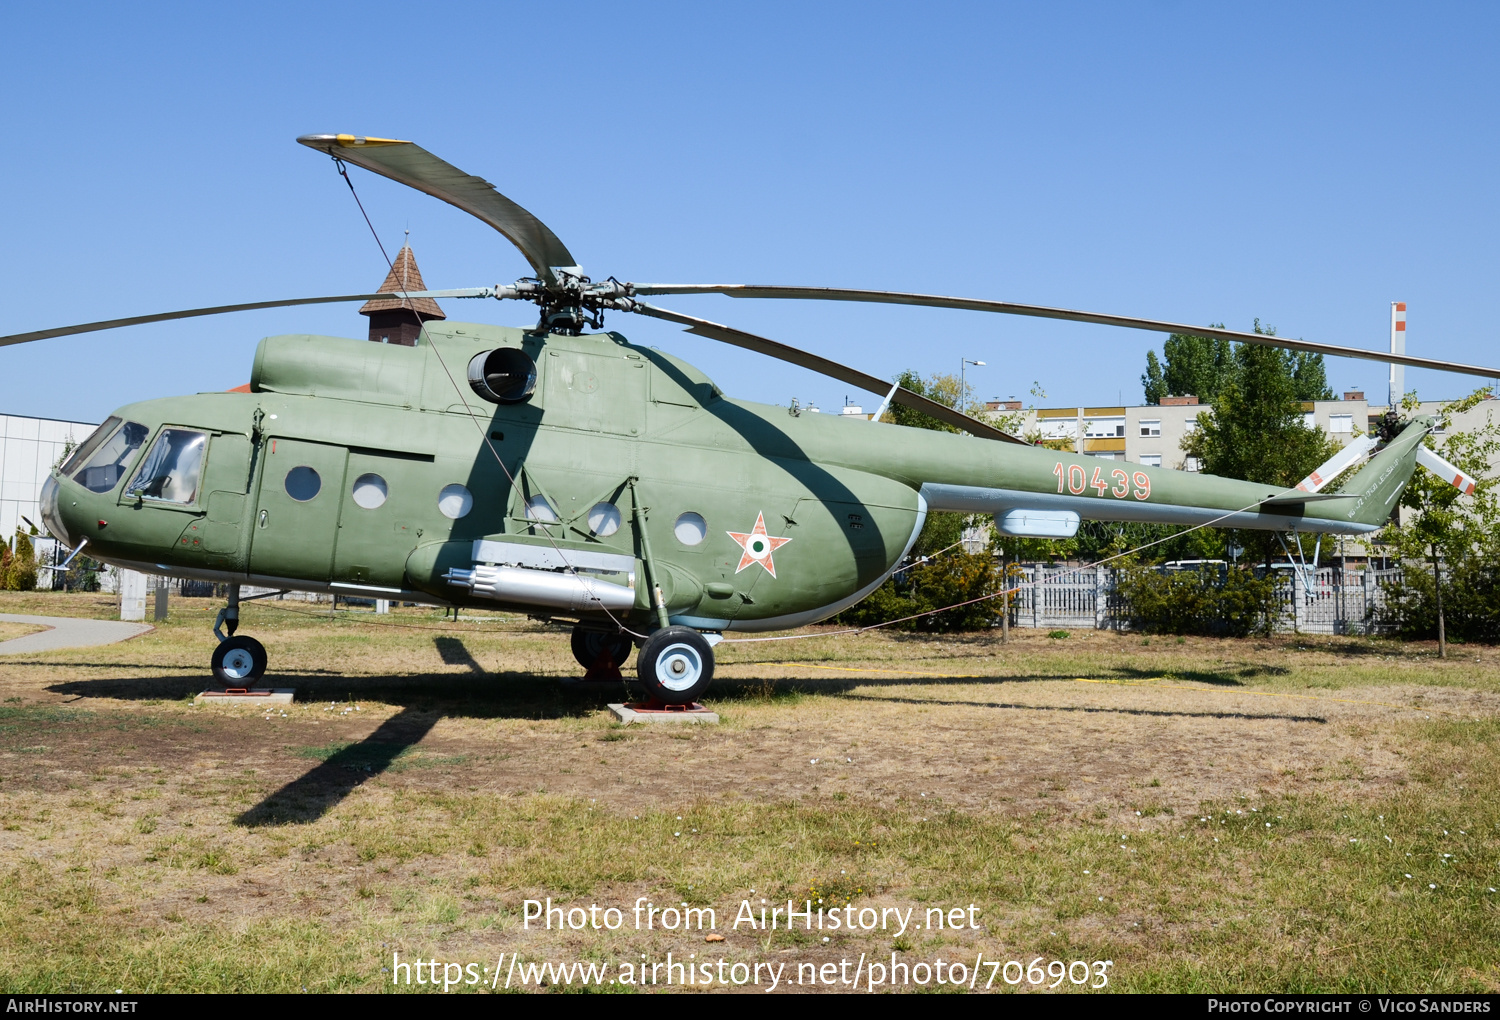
96, 437
171, 470
103, 471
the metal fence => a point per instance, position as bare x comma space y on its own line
1327, 600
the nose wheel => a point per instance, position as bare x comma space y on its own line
239, 661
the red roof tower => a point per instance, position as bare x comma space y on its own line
398, 320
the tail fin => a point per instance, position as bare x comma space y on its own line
1379, 483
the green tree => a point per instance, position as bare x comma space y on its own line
1255, 431
941, 388
1204, 367
1197, 366
1309, 378
944, 581
951, 575
942, 530
1227, 603
1097, 540
18, 564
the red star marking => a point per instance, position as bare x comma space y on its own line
758, 546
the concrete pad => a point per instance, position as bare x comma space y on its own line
255, 696
694, 713
67, 632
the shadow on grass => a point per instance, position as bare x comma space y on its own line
424, 698
1092, 709
790, 691
454, 652
313, 794
1217, 678
1213, 677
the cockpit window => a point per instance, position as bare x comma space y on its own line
89, 445
170, 472
104, 469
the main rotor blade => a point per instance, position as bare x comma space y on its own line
137, 320
852, 376
1044, 312
414, 166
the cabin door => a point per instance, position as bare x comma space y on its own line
297, 520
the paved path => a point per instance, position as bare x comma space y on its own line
66, 632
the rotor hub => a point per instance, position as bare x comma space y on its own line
570, 301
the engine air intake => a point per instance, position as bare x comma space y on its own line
506, 375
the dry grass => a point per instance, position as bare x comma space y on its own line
15, 630
157, 845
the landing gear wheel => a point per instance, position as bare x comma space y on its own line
598, 650
239, 661
676, 665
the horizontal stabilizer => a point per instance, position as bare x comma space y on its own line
1335, 465
1460, 480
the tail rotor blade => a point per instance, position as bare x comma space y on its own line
1459, 479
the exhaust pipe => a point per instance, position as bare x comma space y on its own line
574, 592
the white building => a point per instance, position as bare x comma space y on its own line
29, 447
1153, 434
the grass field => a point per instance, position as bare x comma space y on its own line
1273, 814
15, 630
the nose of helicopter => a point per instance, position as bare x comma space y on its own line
52, 515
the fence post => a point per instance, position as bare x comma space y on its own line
1368, 576
1101, 597
1299, 599
1036, 595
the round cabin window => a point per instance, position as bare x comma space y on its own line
303, 483
506, 375
538, 509
369, 491
455, 501
604, 519
690, 528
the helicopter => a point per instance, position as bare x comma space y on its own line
561, 471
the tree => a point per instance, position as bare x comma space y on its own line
955, 575
1204, 367
1255, 430
1097, 540
18, 564
925, 586
941, 388
942, 530
1232, 604
1197, 366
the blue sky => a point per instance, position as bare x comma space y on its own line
1306, 164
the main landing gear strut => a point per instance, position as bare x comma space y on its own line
239, 660
675, 665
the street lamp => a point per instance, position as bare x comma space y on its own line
963, 364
